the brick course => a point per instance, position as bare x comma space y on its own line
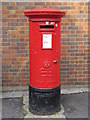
15, 42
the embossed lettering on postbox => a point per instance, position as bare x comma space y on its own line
46, 69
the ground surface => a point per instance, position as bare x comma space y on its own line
12, 108
73, 106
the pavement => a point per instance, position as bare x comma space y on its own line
75, 105
12, 108
72, 106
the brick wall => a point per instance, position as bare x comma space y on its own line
15, 37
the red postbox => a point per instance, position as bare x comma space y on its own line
44, 56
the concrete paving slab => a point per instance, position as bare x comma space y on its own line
12, 108
14, 94
73, 90
75, 105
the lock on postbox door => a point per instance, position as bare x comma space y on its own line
44, 56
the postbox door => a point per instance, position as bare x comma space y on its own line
46, 59
50, 59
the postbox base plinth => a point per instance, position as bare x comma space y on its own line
44, 101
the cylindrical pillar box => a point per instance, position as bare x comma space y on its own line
44, 57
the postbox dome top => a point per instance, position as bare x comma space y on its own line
49, 12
